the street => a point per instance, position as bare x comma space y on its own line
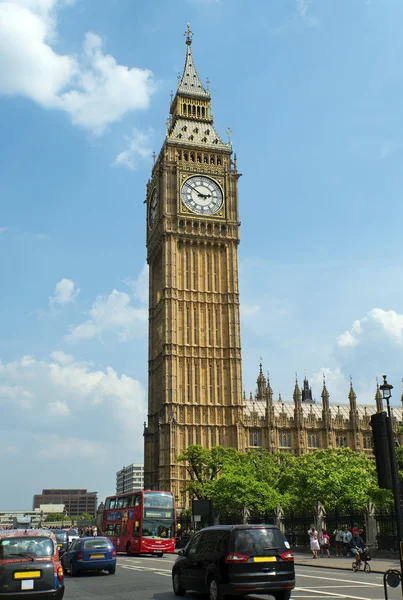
147, 578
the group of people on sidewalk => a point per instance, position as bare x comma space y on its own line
347, 542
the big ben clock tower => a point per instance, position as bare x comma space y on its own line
194, 372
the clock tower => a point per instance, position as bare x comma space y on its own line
194, 361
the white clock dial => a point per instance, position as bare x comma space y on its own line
153, 208
202, 195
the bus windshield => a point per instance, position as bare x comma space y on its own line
158, 500
157, 528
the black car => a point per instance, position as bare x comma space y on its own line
236, 560
62, 540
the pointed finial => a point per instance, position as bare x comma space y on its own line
188, 34
296, 378
208, 84
324, 379
229, 134
172, 95
168, 123
178, 78
154, 157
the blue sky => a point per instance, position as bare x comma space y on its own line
312, 91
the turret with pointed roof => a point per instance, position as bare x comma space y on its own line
191, 115
261, 383
306, 392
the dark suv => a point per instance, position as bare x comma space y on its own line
236, 559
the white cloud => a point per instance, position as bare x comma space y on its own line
62, 448
389, 147
57, 409
139, 286
138, 145
303, 13
65, 292
112, 314
3, 229
61, 357
386, 322
92, 87
78, 393
249, 310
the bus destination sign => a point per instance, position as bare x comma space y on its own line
153, 513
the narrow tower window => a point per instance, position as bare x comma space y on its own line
217, 327
208, 272
195, 384
189, 389
218, 383
187, 325
194, 326
187, 269
215, 273
211, 381
194, 270
209, 326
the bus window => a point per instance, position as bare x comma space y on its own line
107, 504
113, 503
137, 501
117, 528
136, 529
126, 502
120, 503
110, 530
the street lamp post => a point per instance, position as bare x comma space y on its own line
386, 392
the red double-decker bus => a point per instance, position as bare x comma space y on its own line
141, 522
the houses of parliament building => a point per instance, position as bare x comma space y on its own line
195, 393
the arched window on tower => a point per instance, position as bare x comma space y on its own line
194, 111
255, 438
198, 111
195, 326
217, 326
215, 273
284, 439
209, 326
208, 272
187, 269
203, 111
195, 384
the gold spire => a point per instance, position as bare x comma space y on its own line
188, 34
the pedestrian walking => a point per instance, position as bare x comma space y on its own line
338, 534
324, 543
347, 535
313, 541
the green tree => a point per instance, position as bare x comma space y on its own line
53, 517
338, 478
85, 517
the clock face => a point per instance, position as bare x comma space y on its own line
202, 195
153, 208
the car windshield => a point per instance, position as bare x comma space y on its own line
61, 536
158, 500
259, 541
97, 543
26, 546
158, 528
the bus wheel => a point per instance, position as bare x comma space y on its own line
128, 549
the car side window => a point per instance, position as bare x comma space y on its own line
193, 545
207, 542
75, 545
222, 542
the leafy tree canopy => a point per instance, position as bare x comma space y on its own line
258, 481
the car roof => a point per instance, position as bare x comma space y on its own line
236, 527
95, 537
6, 533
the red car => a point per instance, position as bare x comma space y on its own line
29, 565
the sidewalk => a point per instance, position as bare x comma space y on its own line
378, 565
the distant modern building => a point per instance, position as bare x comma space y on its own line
76, 501
36, 517
130, 478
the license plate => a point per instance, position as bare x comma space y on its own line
264, 559
97, 556
59, 545
27, 584
27, 574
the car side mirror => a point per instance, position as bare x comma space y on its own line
181, 552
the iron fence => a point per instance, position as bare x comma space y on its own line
296, 527
387, 530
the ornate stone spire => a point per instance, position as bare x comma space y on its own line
326, 416
190, 82
297, 392
378, 398
352, 396
261, 382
